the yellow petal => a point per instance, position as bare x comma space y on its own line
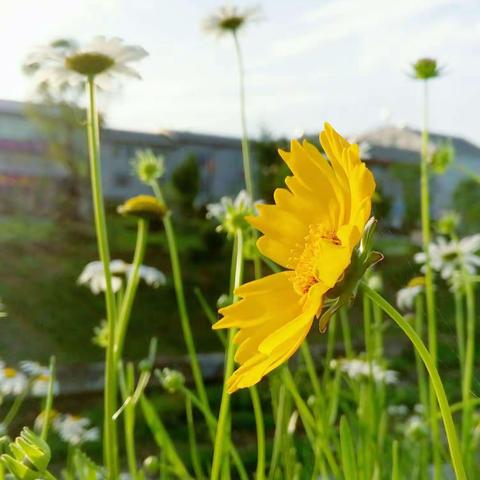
267, 300
252, 371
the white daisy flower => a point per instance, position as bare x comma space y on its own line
93, 275
453, 256
75, 430
358, 369
406, 296
12, 382
39, 377
151, 276
40, 419
102, 58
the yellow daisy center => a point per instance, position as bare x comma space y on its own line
89, 63
10, 372
305, 259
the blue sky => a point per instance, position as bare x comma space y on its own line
343, 61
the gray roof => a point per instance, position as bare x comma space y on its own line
403, 144
160, 139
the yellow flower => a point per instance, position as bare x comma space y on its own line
311, 231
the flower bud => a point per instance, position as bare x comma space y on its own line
31, 456
224, 300
426, 68
171, 380
151, 465
143, 206
448, 223
148, 167
442, 158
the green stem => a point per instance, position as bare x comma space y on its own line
347, 337
197, 467
429, 287
127, 387
436, 382
460, 327
132, 285
468, 372
210, 314
49, 400
279, 428
182, 305
311, 370
422, 382
14, 409
110, 396
212, 425
378, 332
257, 410
224, 414
247, 169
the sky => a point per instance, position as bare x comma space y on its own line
306, 62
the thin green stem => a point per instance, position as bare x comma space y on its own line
429, 284
436, 381
212, 425
132, 285
468, 372
15, 408
460, 326
257, 410
181, 302
110, 396
48, 400
210, 314
347, 336
311, 370
378, 332
247, 169
127, 387
422, 381
192, 439
229, 365
279, 428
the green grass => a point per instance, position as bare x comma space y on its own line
41, 260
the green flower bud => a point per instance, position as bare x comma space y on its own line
426, 68
448, 223
224, 300
143, 206
148, 167
171, 380
31, 456
151, 465
442, 158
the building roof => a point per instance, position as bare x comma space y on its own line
162, 138
403, 144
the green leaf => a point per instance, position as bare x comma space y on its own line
347, 450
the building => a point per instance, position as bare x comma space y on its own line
29, 163
392, 150
28, 166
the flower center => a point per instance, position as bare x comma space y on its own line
89, 63
305, 259
10, 372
